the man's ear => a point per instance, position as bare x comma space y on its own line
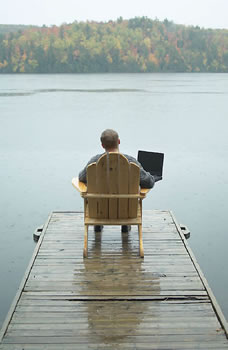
119, 142
103, 145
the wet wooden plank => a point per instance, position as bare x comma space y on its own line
96, 339
116, 346
113, 299
126, 346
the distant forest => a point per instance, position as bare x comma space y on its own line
136, 45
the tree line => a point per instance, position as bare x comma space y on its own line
139, 44
8, 28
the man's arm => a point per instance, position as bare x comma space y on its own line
146, 179
82, 174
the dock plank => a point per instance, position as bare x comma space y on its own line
114, 299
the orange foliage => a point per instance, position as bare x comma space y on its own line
153, 58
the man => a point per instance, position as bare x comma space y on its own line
110, 142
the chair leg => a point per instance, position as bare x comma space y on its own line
141, 250
85, 251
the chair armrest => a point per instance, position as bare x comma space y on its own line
80, 186
144, 191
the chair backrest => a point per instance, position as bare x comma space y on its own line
113, 174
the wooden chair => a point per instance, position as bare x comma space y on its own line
112, 195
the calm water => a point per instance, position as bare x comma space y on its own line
50, 125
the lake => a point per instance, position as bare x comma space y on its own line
50, 126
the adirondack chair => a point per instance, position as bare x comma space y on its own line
112, 195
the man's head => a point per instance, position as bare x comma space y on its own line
110, 140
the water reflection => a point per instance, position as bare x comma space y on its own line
12, 94
90, 90
116, 277
32, 92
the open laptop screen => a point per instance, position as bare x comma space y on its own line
151, 162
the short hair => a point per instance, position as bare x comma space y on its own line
109, 138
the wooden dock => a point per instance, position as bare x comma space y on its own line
113, 299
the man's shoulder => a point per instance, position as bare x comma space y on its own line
95, 158
131, 159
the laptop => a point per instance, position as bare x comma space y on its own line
152, 162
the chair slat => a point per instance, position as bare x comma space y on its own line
123, 186
113, 184
133, 189
92, 188
102, 186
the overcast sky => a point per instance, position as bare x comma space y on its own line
204, 13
